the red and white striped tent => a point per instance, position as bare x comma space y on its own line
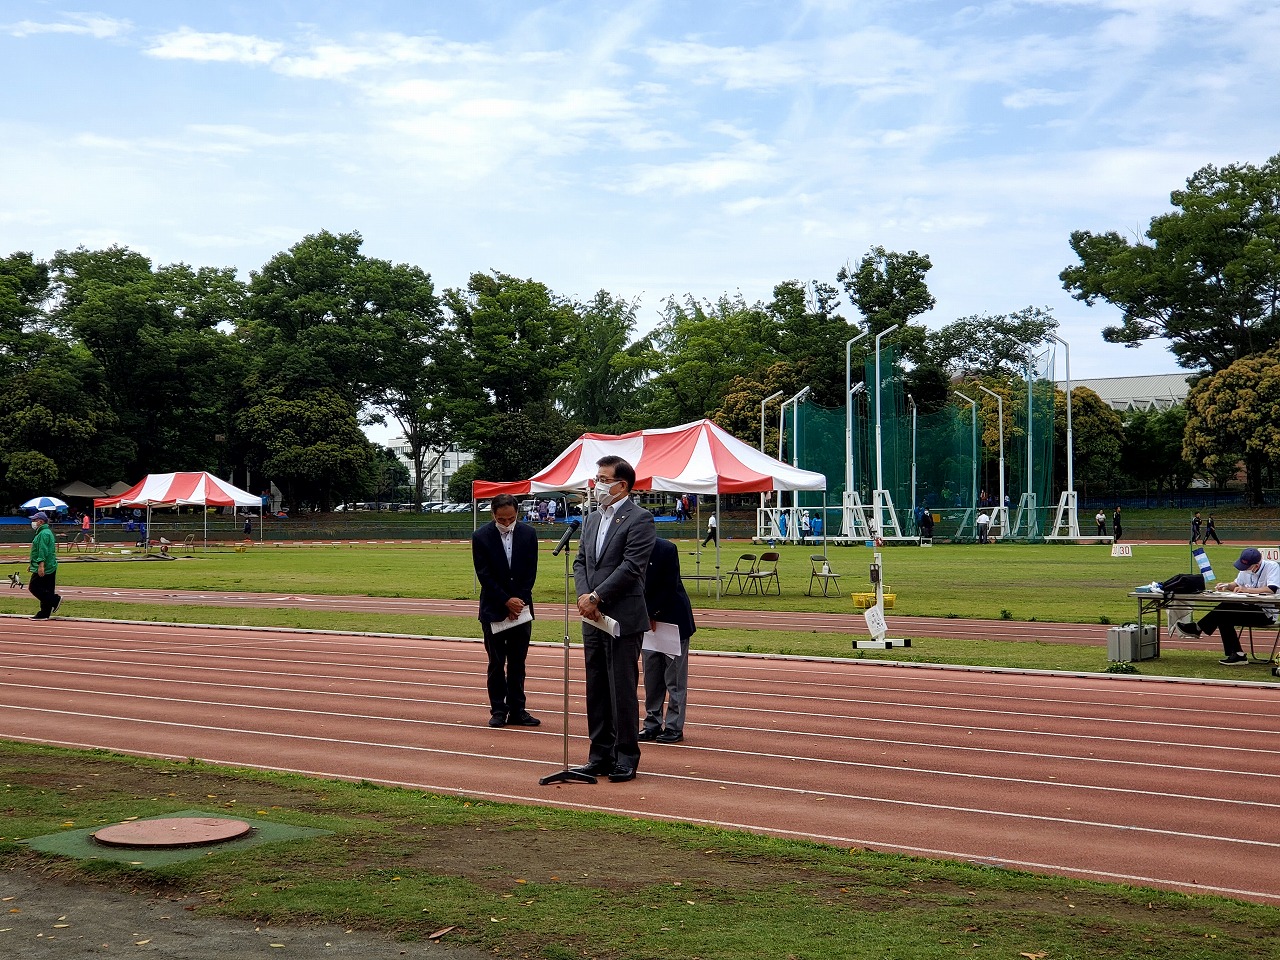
697, 457
183, 489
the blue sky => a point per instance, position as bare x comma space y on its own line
646, 148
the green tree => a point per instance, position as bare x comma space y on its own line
812, 336
156, 339
1152, 450
889, 288
986, 345
1231, 418
606, 377
460, 483
516, 445
311, 445
1097, 434
1207, 278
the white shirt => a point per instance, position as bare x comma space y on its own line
606, 517
1267, 575
508, 539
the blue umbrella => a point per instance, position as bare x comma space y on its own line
44, 503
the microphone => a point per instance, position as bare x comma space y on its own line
564, 540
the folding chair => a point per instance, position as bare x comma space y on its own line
758, 580
820, 569
741, 573
1274, 630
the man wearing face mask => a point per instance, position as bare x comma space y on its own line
609, 572
44, 567
505, 553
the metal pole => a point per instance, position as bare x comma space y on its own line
773, 396
1004, 528
1071, 485
912, 400
973, 405
879, 530
848, 410
782, 414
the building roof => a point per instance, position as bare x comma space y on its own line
1156, 391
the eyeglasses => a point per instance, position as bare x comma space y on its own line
607, 481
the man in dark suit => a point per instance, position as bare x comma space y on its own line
666, 677
609, 572
505, 553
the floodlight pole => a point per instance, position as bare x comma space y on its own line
1069, 497
912, 401
879, 494
782, 417
771, 397
1004, 526
848, 410
973, 404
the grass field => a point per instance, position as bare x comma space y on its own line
529, 882
1081, 584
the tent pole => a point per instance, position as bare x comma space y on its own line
717, 541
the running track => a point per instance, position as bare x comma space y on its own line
1110, 778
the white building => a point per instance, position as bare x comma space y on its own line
438, 467
1157, 391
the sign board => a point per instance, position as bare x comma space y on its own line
876, 624
1270, 553
1122, 550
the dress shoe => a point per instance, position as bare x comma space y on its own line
497, 720
40, 616
622, 773
523, 720
669, 736
648, 736
594, 768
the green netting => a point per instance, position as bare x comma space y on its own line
942, 445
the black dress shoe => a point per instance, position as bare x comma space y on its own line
497, 720
523, 720
594, 768
622, 773
669, 736
648, 736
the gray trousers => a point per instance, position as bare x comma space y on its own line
666, 679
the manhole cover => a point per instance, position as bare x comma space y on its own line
172, 832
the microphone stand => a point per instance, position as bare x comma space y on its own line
566, 775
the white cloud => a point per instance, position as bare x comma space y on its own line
1038, 97
93, 25
188, 44
748, 164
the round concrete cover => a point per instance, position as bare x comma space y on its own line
172, 832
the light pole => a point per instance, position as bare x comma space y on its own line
848, 410
912, 401
1003, 513
1073, 525
782, 415
880, 491
973, 404
770, 398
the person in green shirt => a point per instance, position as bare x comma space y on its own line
44, 568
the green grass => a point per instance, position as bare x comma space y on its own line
1082, 584
524, 881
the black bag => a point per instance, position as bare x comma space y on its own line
1183, 583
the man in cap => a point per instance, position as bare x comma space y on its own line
1256, 576
44, 567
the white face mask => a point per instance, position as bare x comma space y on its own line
602, 494
35, 524
504, 528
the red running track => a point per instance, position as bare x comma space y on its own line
1126, 779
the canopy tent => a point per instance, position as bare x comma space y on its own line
183, 489
698, 457
76, 490
116, 489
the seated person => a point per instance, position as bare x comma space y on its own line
1256, 576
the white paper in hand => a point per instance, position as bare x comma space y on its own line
606, 624
524, 616
665, 639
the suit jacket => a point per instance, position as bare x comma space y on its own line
617, 575
500, 581
664, 591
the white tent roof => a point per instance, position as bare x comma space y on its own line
181, 489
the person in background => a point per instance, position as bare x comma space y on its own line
505, 554
1210, 531
1101, 520
984, 527
1256, 576
711, 530
43, 565
666, 678
1116, 529
1195, 527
